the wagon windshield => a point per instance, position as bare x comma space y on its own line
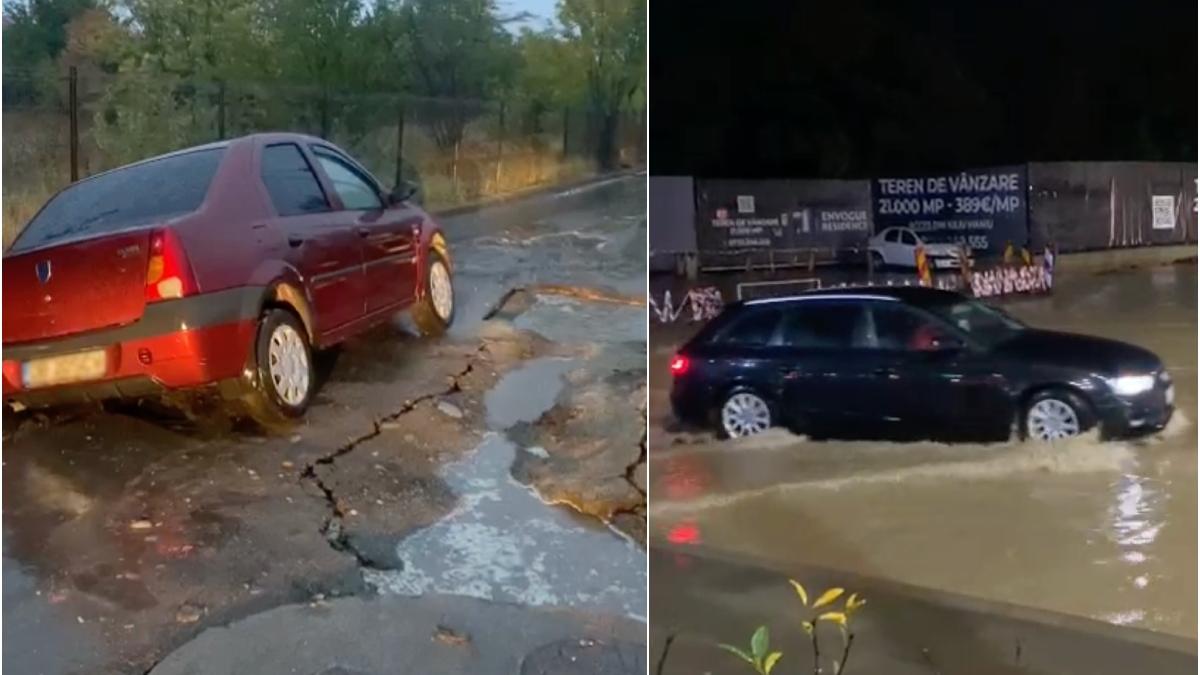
982, 322
128, 197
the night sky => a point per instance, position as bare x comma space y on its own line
855, 88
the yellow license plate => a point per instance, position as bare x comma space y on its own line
65, 369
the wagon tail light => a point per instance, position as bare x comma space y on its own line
679, 365
168, 274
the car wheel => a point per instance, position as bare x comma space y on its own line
1055, 415
435, 311
284, 377
877, 260
744, 413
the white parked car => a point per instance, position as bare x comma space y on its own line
897, 246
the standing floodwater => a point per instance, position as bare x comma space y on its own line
1104, 530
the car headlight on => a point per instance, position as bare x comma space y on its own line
1131, 385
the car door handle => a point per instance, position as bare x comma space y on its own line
883, 372
295, 242
364, 231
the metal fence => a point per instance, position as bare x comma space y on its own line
62, 127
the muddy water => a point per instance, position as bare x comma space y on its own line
1104, 530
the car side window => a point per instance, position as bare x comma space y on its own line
356, 192
291, 182
907, 238
899, 328
892, 236
754, 328
823, 325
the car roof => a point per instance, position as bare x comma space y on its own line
264, 137
912, 295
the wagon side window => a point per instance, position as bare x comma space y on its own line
291, 182
755, 328
822, 325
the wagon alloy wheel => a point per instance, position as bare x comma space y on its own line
745, 414
1051, 419
440, 290
288, 365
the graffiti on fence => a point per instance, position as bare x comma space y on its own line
1007, 280
705, 303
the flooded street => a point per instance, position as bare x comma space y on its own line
1101, 530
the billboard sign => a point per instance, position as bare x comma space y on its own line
982, 208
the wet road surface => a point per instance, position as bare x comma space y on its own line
1101, 530
128, 531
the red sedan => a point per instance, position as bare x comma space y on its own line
219, 267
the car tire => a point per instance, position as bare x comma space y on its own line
877, 261
283, 377
1055, 415
434, 312
743, 412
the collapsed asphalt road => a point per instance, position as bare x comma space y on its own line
425, 469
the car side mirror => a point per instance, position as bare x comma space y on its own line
403, 192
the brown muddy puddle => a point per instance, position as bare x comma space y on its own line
1103, 530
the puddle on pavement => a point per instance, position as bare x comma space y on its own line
502, 543
41, 637
1105, 530
522, 395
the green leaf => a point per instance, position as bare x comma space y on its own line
772, 658
808, 627
800, 591
759, 643
741, 654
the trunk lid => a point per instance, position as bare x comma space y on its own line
75, 287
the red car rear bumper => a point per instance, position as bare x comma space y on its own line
181, 344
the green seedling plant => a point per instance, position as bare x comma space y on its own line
821, 611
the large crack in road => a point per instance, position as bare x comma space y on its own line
332, 529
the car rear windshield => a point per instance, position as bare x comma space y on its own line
128, 197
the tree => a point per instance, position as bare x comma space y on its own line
611, 38
549, 76
457, 50
35, 33
317, 45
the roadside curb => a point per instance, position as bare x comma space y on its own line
533, 192
381, 635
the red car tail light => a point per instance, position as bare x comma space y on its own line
679, 365
168, 274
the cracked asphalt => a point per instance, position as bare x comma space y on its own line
503, 464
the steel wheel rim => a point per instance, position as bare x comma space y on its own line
1052, 420
287, 364
745, 414
440, 290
